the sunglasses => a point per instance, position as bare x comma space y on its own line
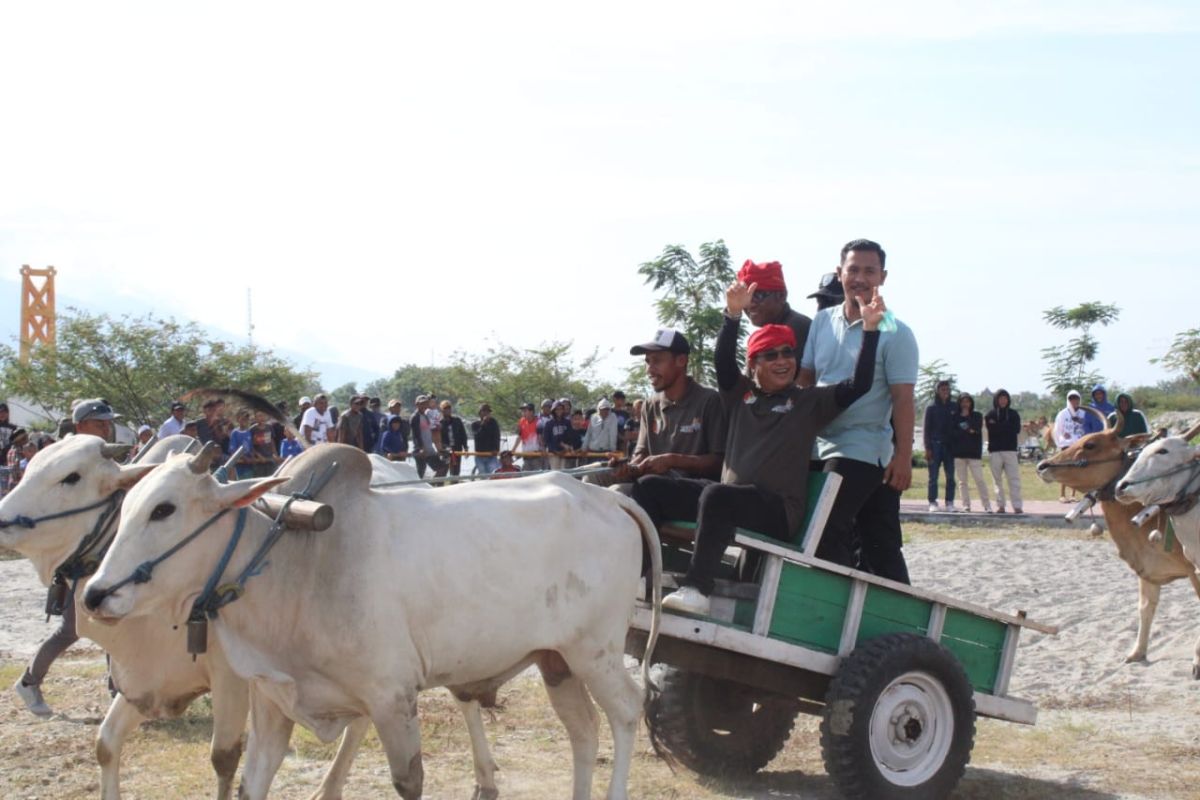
770, 355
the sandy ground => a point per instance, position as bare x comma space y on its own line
1107, 729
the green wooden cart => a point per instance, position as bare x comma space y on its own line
898, 674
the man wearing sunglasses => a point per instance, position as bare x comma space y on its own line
772, 424
768, 304
859, 445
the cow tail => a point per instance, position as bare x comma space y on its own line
651, 690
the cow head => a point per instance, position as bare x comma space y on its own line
1163, 473
77, 472
159, 513
1093, 461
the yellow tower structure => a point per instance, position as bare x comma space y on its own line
37, 309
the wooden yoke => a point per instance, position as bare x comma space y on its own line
304, 515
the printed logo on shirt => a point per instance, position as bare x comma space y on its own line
694, 427
783, 408
750, 398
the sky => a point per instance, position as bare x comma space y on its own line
394, 182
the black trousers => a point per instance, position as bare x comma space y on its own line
718, 508
866, 513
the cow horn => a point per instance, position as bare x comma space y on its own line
200, 462
115, 452
1191, 432
1120, 421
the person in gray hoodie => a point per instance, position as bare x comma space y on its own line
1003, 425
1132, 420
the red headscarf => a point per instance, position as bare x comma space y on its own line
768, 337
768, 276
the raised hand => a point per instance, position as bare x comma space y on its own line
872, 312
738, 297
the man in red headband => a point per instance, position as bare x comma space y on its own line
772, 424
768, 305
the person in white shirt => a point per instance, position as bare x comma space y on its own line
316, 422
1068, 428
174, 423
603, 430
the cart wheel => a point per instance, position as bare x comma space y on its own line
717, 727
899, 720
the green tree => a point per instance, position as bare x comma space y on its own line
694, 298
1067, 364
340, 396
928, 377
140, 364
1184, 355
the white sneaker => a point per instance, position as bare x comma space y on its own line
32, 696
689, 600
933, 508
950, 507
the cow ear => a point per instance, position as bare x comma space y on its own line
132, 473
240, 494
1136, 440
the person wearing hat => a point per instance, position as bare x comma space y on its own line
604, 431
393, 442
556, 435
1068, 429
396, 409
305, 404
94, 417
454, 437
144, 434
681, 428
769, 305
873, 459
424, 448
772, 426
829, 292
174, 423
486, 431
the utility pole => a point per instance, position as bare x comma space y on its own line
37, 309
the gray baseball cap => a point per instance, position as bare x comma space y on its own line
93, 409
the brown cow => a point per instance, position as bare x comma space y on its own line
1093, 463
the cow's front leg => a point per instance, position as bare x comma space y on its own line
400, 733
120, 720
270, 732
339, 770
231, 704
1147, 605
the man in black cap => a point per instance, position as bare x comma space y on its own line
829, 292
174, 423
682, 431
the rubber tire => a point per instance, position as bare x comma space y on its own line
855, 690
686, 717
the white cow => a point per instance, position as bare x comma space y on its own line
1167, 474
357, 619
149, 662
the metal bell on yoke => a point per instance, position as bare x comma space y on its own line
56, 599
197, 637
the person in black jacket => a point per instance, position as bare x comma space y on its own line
454, 437
1004, 429
939, 417
487, 440
966, 442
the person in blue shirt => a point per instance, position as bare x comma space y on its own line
393, 445
557, 436
243, 437
290, 446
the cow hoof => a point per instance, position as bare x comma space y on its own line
1135, 657
485, 794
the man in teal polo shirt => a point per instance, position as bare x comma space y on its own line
859, 445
